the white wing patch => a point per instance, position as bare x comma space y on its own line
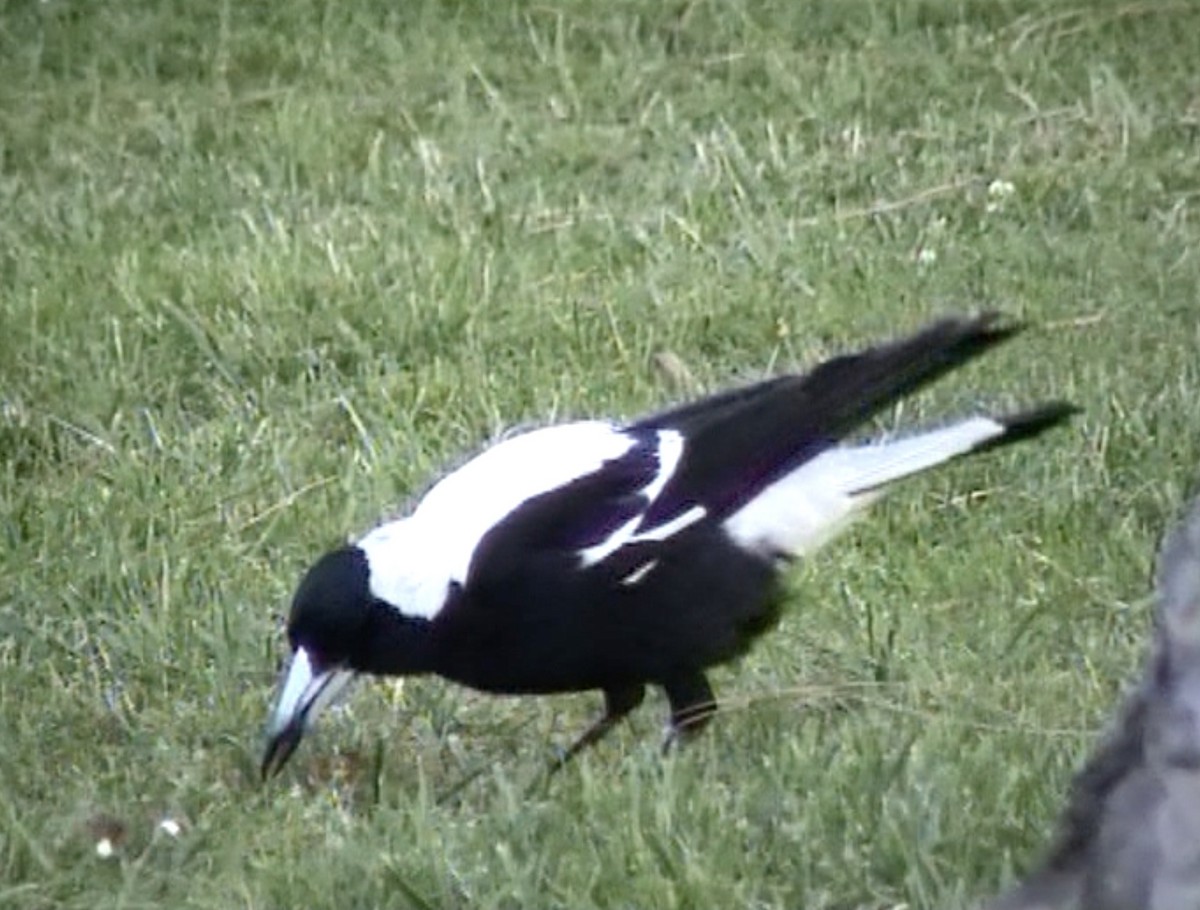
639, 573
625, 534
670, 449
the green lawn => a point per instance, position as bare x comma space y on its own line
265, 268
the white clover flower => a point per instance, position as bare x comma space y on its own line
107, 832
998, 191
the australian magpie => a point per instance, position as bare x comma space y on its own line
1130, 835
606, 555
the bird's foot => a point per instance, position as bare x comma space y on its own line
617, 704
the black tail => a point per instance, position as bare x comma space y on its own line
849, 389
1027, 424
741, 440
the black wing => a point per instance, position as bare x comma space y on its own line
740, 441
561, 522
735, 443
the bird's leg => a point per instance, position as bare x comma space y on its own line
692, 706
617, 703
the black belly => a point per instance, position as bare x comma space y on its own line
552, 628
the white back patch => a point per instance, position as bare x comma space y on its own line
414, 560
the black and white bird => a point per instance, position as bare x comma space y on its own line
605, 555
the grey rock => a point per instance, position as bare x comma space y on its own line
1129, 838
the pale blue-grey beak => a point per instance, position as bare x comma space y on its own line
306, 691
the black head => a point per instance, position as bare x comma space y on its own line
332, 609
337, 628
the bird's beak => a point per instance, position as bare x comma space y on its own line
307, 690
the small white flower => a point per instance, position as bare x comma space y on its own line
1000, 189
926, 256
104, 848
170, 827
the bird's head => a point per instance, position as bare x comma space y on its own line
330, 630
341, 625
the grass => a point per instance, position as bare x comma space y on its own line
265, 268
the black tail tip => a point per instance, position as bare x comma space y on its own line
1027, 424
994, 324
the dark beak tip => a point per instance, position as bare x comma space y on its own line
270, 767
279, 749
